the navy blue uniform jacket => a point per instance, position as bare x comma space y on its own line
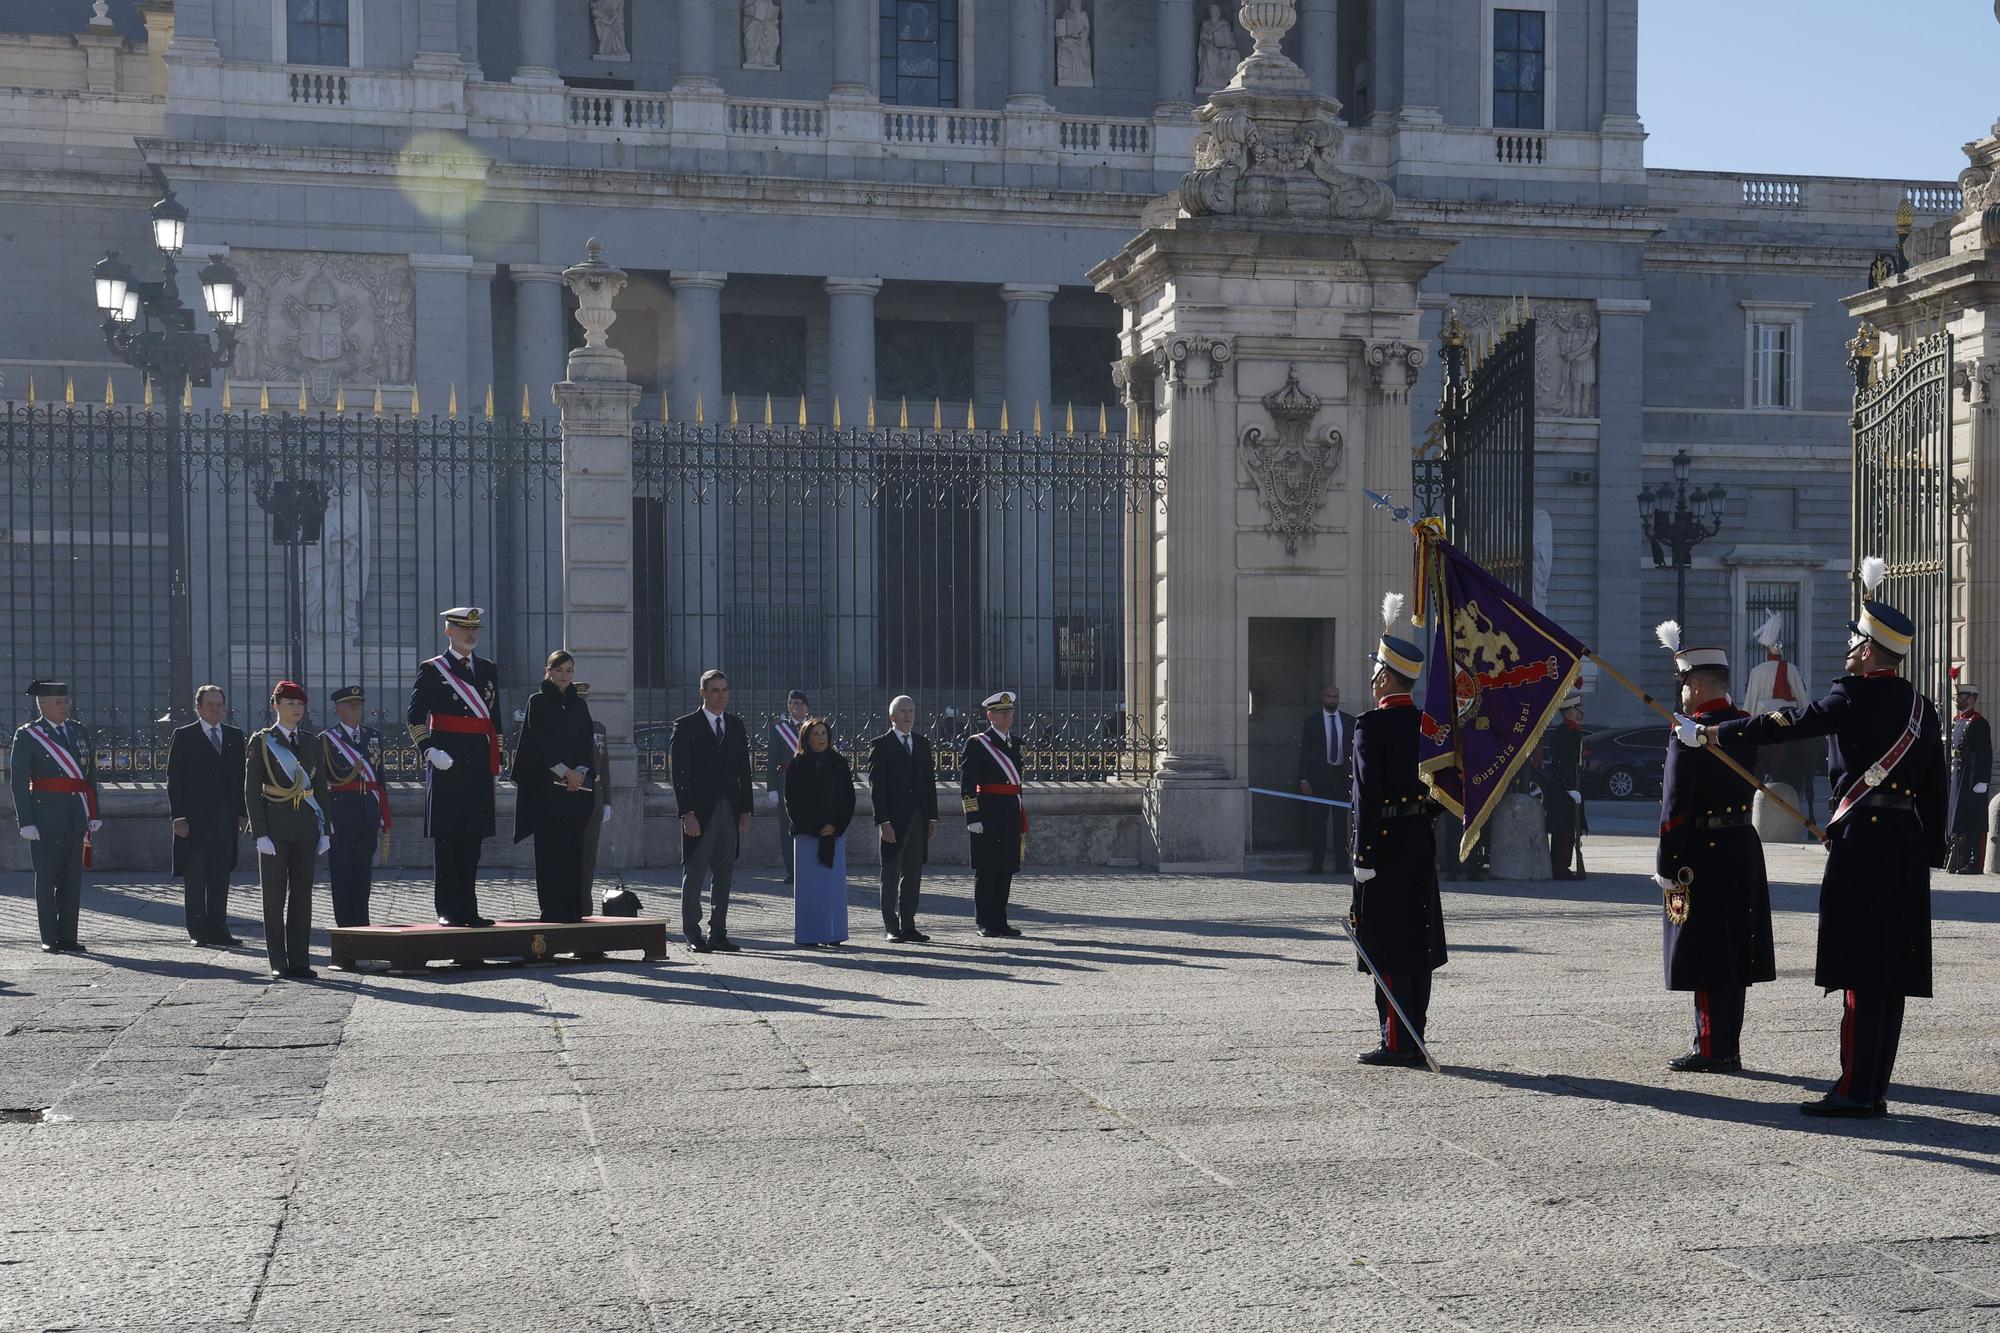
1397, 915
1726, 940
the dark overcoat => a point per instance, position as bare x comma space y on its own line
557, 731
1712, 854
1875, 898
998, 814
1561, 774
1971, 766
1398, 915
458, 801
352, 810
206, 789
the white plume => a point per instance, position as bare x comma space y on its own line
1873, 570
1670, 635
1767, 633
1392, 609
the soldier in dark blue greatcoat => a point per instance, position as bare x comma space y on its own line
1887, 765
1710, 866
1397, 914
1971, 772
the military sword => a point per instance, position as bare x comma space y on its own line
1389, 995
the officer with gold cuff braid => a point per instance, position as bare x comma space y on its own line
451, 715
989, 786
1716, 938
1887, 765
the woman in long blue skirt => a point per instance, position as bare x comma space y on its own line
819, 797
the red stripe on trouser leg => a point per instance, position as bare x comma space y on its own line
1389, 1032
1704, 1025
1846, 1084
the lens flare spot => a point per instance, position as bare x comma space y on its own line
442, 175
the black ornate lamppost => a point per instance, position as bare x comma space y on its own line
1675, 520
147, 326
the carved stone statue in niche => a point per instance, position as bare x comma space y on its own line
1216, 54
760, 34
607, 30
1073, 66
1565, 349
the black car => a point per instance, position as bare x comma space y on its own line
1625, 762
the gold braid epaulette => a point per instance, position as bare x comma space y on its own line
332, 758
274, 790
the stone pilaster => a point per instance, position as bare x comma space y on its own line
538, 334
443, 323
1174, 54
596, 402
854, 26
1319, 44
537, 37
1029, 41
1621, 356
468, 38
850, 586
698, 537
697, 49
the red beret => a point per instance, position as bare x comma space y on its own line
286, 689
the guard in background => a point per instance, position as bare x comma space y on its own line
1325, 770
1717, 934
989, 786
54, 778
1397, 914
1971, 772
452, 707
600, 812
1562, 789
783, 744
357, 806
1776, 685
1887, 829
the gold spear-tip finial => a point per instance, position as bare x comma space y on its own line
1003, 415
970, 422
1069, 418
416, 405
340, 400
378, 400
146, 394
451, 402
109, 399
226, 405
302, 397
802, 409
767, 410
904, 420
1103, 420
734, 417
489, 402
1038, 416
937, 414
31, 391
187, 393
836, 412
69, 391
264, 398
871, 411
663, 407
698, 415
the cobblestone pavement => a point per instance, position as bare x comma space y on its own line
1145, 1115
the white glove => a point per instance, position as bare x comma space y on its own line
1688, 731
975, 828
607, 814
771, 799
265, 847
1362, 874
1666, 885
439, 759
31, 833
93, 825
1576, 796
1979, 788
324, 843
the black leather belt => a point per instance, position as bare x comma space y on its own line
1400, 809
1735, 819
1879, 802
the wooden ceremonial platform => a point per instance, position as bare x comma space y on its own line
410, 948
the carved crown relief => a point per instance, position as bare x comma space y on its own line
1293, 471
326, 319
1565, 349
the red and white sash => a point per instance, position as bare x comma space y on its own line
73, 773
999, 757
1878, 772
358, 761
790, 733
467, 695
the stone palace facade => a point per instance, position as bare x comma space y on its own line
896, 201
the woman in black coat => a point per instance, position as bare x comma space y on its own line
819, 797
552, 770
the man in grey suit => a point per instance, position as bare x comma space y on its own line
710, 755
903, 784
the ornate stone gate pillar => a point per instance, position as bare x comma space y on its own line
1275, 316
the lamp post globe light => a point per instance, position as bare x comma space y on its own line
1676, 519
148, 327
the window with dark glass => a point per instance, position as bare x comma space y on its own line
1520, 47
316, 32
920, 52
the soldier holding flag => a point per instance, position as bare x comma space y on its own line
55, 800
1887, 830
1710, 866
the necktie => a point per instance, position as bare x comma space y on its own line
718, 730
909, 747
1333, 740
215, 738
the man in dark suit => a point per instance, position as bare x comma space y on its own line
451, 715
783, 744
357, 805
903, 786
1326, 758
996, 822
710, 757
205, 799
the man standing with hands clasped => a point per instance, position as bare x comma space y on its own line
1971, 773
1887, 830
710, 755
1326, 753
55, 800
990, 789
452, 707
205, 799
902, 785
784, 743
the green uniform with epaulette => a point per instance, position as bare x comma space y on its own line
55, 801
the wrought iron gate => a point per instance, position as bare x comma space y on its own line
1902, 498
1480, 475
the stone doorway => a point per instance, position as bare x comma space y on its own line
1290, 658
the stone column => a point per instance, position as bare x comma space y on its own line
532, 551
468, 37
1030, 37
194, 31
1385, 59
1173, 51
851, 582
443, 332
436, 23
597, 401
1021, 567
538, 335
1381, 548
1027, 349
1319, 45
694, 547
854, 29
1621, 352
1419, 55
697, 48
537, 23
